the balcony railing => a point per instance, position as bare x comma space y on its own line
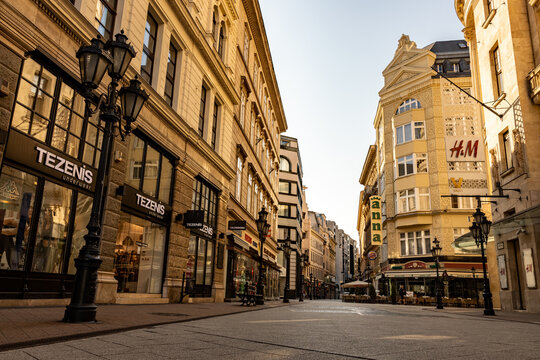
534, 84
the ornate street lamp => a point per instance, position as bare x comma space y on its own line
262, 227
94, 60
286, 248
304, 258
480, 231
436, 252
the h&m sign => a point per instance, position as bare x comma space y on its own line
465, 148
376, 219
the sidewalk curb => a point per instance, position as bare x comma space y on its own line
483, 317
56, 339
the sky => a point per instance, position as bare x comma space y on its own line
328, 57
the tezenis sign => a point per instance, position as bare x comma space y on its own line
145, 205
37, 156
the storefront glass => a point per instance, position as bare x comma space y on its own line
271, 290
246, 271
200, 265
139, 254
17, 196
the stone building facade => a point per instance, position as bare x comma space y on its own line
421, 121
505, 61
198, 60
290, 215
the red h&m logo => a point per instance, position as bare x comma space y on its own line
471, 149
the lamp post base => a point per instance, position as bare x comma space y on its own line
489, 312
82, 313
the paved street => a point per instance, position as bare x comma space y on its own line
313, 330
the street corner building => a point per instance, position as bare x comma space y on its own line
505, 65
205, 147
428, 146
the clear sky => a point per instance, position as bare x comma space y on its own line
328, 57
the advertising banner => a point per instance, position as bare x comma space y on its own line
376, 220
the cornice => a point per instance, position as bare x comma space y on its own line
256, 23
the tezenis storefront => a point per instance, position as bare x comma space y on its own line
46, 183
143, 229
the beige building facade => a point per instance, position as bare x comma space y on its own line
505, 61
199, 61
423, 123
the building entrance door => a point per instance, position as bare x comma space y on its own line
516, 271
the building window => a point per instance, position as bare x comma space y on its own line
285, 187
462, 203
105, 15
239, 165
149, 48
286, 210
205, 198
255, 74
498, 71
284, 164
221, 41
215, 125
252, 130
404, 133
246, 45
242, 107
249, 190
507, 150
408, 105
413, 200
415, 243
214, 26
150, 170
455, 67
48, 108
202, 111
412, 164
171, 72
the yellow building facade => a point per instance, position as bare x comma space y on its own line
428, 145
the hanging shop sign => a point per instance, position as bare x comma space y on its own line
464, 148
248, 239
145, 205
376, 220
529, 268
372, 255
502, 271
37, 156
237, 225
269, 254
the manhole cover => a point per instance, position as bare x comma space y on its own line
167, 314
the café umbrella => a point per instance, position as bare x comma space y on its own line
356, 284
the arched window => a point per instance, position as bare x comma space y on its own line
214, 26
284, 164
408, 105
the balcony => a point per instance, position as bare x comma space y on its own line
533, 79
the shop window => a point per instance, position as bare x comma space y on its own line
139, 255
48, 108
149, 169
105, 15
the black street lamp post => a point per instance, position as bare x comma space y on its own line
286, 248
311, 285
303, 263
436, 252
473, 270
480, 231
94, 60
262, 227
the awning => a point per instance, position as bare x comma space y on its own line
431, 274
356, 284
238, 241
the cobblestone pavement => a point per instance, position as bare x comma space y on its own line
314, 330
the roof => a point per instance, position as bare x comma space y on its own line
449, 46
